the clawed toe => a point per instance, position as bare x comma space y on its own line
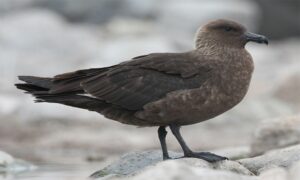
166, 158
207, 156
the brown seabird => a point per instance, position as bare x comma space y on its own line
162, 89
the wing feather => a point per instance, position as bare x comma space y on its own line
145, 79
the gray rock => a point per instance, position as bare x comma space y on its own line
165, 12
12, 6
234, 153
279, 25
197, 13
171, 170
294, 171
275, 134
277, 173
35, 41
39, 42
95, 11
276, 158
133, 163
5, 159
10, 165
170, 11
288, 90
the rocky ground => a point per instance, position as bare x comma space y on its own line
279, 158
44, 38
273, 152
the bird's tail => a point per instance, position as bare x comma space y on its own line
40, 88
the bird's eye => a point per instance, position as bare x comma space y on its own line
228, 29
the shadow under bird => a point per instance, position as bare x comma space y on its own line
162, 89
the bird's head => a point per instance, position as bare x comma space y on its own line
226, 33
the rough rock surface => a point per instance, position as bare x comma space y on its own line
10, 165
276, 158
288, 90
276, 173
172, 170
275, 134
5, 159
193, 11
234, 153
133, 163
282, 164
279, 173
99, 12
279, 25
294, 171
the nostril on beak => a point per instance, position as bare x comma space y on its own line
256, 38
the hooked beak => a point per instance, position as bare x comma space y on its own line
256, 38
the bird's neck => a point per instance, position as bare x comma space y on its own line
209, 45
212, 49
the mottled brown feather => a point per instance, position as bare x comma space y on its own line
133, 84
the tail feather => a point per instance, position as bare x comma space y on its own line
40, 88
63, 83
29, 88
65, 89
70, 82
37, 81
42, 95
78, 101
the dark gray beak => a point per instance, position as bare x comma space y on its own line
256, 38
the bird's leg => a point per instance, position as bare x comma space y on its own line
162, 133
210, 157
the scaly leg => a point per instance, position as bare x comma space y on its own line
162, 133
210, 157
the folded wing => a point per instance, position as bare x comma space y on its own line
145, 79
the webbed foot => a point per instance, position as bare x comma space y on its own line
207, 156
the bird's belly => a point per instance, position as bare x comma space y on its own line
190, 106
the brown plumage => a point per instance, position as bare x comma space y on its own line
162, 89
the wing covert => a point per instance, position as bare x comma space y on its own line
145, 79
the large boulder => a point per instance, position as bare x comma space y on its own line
8, 164
278, 158
280, 173
174, 13
38, 41
171, 170
282, 164
5, 159
279, 19
12, 6
275, 134
277, 173
95, 11
288, 91
294, 171
169, 11
133, 163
